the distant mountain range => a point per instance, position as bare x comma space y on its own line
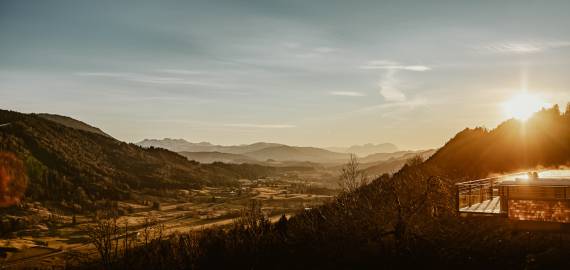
260, 151
268, 152
181, 145
366, 149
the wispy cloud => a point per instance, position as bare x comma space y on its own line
347, 93
299, 50
246, 125
392, 65
103, 74
389, 87
523, 47
150, 79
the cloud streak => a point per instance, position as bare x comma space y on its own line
523, 47
347, 93
391, 65
149, 79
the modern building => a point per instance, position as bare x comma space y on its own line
539, 197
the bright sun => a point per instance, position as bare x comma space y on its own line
523, 105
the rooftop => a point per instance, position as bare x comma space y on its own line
542, 178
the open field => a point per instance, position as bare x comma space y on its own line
64, 239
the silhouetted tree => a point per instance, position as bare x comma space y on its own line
351, 176
104, 235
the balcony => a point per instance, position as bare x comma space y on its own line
479, 197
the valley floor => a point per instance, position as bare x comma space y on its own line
187, 210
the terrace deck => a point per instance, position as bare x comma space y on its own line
492, 206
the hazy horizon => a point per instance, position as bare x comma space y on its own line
318, 73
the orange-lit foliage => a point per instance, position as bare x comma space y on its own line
543, 140
554, 211
13, 180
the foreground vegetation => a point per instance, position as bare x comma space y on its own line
393, 222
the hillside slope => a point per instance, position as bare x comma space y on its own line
394, 164
72, 123
210, 157
366, 149
294, 153
77, 166
395, 155
543, 140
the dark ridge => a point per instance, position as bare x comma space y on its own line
75, 166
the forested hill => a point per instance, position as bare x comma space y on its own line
541, 141
79, 166
73, 123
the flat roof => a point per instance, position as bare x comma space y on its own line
537, 182
545, 178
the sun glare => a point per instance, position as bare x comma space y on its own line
523, 105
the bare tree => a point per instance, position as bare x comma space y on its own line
104, 235
158, 231
146, 233
152, 230
253, 219
351, 176
413, 199
126, 239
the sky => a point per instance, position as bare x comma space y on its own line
310, 73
